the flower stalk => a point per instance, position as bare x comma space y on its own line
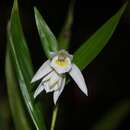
54, 116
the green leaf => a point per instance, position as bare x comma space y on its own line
3, 125
4, 112
65, 35
17, 109
22, 62
112, 118
48, 40
93, 46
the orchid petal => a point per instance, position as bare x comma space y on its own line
39, 90
54, 78
44, 69
77, 76
51, 81
47, 88
57, 93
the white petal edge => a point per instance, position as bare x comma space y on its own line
38, 90
44, 69
58, 92
77, 76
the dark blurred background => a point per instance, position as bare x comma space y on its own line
107, 76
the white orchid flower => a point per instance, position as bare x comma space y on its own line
52, 73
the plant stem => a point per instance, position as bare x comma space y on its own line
54, 116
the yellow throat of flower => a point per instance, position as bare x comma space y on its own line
61, 61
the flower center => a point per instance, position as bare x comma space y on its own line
62, 59
61, 62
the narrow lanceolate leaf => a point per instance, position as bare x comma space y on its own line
23, 67
65, 35
17, 108
112, 118
48, 40
92, 47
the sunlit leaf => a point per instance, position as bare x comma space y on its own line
48, 40
92, 47
21, 59
17, 109
65, 35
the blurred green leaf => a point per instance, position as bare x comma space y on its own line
2, 124
92, 47
65, 35
48, 40
17, 109
21, 59
112, 118
4, 113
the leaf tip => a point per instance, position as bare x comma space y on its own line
15, 5
124, 6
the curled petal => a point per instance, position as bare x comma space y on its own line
77, 76
38, 90
44, 70
51, 81
52, 88
47, 88
57, 93
54, 78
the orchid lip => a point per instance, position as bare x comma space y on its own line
61, 62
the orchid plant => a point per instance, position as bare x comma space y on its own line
53, 72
